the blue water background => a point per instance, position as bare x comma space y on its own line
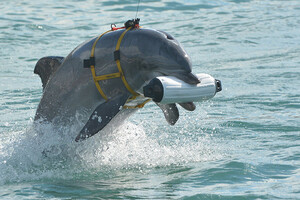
243, 144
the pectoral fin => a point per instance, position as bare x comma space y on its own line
101, 116
190, 106
170, 111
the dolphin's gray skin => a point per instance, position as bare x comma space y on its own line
69, 87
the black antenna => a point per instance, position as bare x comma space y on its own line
137, 9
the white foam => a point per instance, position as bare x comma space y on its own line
28, 155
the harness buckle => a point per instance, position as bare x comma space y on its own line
88, 62
117, 55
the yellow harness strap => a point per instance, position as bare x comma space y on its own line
141, 105
113, 75
119, 65
97, 78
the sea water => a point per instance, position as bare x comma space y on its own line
242, 144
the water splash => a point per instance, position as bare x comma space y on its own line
28, 155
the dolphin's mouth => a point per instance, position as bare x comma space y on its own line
189, 78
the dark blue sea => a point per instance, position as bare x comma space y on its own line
242, 144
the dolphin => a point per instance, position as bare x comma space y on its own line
69, 88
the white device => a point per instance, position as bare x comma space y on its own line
169, 89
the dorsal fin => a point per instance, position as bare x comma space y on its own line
46, 66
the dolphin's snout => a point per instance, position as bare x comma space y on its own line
189, 78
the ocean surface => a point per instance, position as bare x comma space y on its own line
242, 144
